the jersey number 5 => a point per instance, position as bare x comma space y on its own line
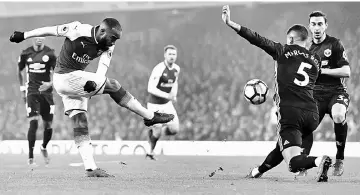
302, 72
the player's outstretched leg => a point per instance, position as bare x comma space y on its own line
31, 136
273, 159
83, 143
46, 139
125, 99
338, 113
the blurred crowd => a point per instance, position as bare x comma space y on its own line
215, 64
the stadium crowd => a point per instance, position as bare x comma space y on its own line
215, 65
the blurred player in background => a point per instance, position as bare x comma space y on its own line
295, 74
163, 89
330, 93
84, 43
38, 61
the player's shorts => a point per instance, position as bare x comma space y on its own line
167, 108
40, 104
325, 103
72, 88
294, 123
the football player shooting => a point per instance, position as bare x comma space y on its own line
39, 61
295, 74
329, 92
163, 88
82, 44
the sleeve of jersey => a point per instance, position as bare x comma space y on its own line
21, 62
74, 30
272, 48
340, 54
104, 61
52, 61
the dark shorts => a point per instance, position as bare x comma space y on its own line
295, 123
40, 104
326, 102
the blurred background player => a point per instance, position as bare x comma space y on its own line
39, 61
162, 89
296, 70
84, 43
330, 93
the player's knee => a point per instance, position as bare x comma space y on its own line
112, 86
338, 113
121, 97
172, 129
33, 125
338, 117
47, 124
79, 120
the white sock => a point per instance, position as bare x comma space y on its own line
86, 153
255, 171
318, 161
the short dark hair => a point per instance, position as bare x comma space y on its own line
112, 23
301, 31
169, 47
318, 14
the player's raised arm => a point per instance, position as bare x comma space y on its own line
67, 30
272, 48
153, 82
104, 61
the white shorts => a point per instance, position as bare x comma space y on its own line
70, 86
167, 108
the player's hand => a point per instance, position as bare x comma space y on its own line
45, 86
226, 14
17, 37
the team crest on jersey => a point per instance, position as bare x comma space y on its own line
327, 52
45, 58
29, 60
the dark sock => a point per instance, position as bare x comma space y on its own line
273, 159
31, 136
153, 139
307, 143
47, 137
340, 137
302, 162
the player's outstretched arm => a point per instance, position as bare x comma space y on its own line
272, 48
70, 30
18, 36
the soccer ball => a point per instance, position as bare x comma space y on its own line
255, 91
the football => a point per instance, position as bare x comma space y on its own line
255, 91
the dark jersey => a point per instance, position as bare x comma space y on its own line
38, 65
164, 78
333, 55
80, 48
296, 71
